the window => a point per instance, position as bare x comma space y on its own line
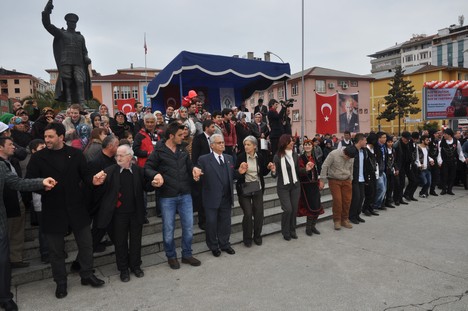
294, 89
16, 81
270, 94
354, 84
408, 58
320, 86
124, 92
450, 54
17, 90
424, 55
116, 92
439, 55
5, 91
135, 92
281, 92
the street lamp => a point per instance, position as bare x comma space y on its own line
378, 113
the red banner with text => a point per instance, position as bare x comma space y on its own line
326, 113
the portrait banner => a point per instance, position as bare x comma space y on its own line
349, 112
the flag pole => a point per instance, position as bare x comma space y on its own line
146, 52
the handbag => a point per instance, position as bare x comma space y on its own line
249, 188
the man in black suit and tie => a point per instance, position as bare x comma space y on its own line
262, 109
349, 121
218, 195
201, 146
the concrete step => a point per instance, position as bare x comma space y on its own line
152, 249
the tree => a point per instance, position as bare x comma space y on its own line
400, 101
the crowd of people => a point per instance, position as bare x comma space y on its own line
91, 174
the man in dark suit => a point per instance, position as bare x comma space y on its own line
201, 146
218, 195
262, 109
123, 209
13, 182
63, 207
349, 121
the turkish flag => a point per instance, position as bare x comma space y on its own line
126, 105
326, 113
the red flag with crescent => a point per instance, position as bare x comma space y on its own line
326, 113
126, 105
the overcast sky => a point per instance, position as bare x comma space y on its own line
338, 34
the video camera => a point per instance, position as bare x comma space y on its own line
287, 103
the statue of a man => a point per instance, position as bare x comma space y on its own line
71, 56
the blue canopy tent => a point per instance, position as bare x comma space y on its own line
214, 76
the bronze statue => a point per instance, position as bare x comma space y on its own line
71, 56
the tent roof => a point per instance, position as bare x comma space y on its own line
203, 70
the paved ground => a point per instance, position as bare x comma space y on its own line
413, 257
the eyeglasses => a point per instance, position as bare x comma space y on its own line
122, 155
219, 142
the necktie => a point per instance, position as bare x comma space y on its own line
221, 162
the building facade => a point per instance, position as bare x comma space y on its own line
17, 85
324, 81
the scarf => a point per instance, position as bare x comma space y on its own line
284, 170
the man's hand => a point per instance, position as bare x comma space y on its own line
49, 183
321, 185
158, 181
99, 178
196, 172
243, 168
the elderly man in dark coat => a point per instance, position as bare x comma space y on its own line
123, 208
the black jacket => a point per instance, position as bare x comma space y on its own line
10, 197
261, 169
200, 147
175, 168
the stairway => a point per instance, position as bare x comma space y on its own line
152, 242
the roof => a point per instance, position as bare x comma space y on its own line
118, 77
5, 72
138, 69
326, 72
191, 70
411, 70
396, 47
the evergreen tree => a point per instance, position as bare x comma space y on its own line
401, 100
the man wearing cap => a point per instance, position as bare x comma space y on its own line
449, 150
71, 57
338, 171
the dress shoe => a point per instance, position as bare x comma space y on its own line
9, 305
216, 252
202, 226
229, 250
374, 213
346, 224
414, 199
293, 235
404, 202
433, 193
407, 198
450, 192
248, 243
19, 264
61, 291
258, 241
337, 225
173, 263
75, 266
191, 261
146, 220
354, 221
390, 205
367, 213
125, 275
287, 238
397, 203
138, 272
93, 281
423, 196
382, 208
443, 192
360, 219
